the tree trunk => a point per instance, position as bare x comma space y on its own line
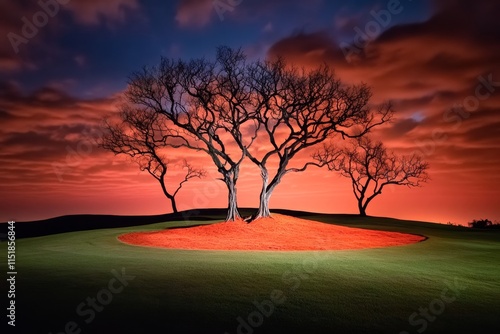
167, 194
263, 205
174, 205
232, 210
264, 196
362, 209
266, 192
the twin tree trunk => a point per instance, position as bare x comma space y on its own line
264, 196
167, 194
362, 209
364, 201
266, 192
172, 202
232, 210
230, 178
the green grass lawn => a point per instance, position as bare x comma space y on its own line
174, 291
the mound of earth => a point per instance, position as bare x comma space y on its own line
279, 233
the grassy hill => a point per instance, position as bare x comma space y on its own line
449, 283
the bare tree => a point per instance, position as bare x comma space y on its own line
221, 107
190, 95
144, 136
297, 109
370, 167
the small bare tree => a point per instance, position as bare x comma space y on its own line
370, 167
145, 137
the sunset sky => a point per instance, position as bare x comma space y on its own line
437, 60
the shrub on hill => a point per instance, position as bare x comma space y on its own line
484, 223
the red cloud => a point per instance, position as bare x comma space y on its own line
444, 78
91, 12
194, 13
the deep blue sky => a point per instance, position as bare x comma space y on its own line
137, 33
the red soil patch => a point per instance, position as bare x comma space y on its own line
280, 232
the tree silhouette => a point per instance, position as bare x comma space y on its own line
483, 223
144, 136
221, 106
370, 167
296, 109
191, 97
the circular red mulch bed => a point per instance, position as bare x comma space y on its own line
280, 232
